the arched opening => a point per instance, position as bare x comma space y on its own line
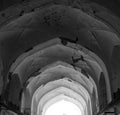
63, 107
52, 67
102, 92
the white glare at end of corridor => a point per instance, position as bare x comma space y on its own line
63, 107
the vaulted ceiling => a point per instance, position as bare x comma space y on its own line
38, 38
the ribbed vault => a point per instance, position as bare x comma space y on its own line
58, 53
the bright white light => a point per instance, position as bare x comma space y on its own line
63, 107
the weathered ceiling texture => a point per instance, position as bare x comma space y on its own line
59, 51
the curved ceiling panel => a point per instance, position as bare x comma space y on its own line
59, 83
45, 77
37, 62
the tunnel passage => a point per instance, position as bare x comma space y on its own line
45, 60
47, 66
54, 54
